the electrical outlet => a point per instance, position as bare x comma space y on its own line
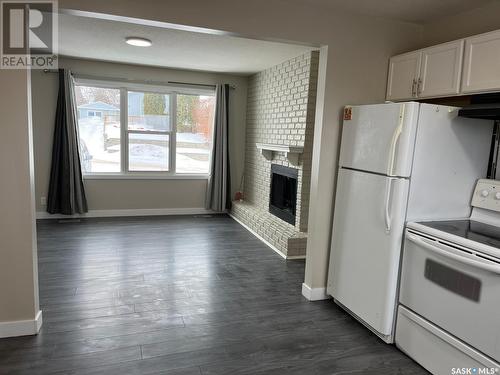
43, 201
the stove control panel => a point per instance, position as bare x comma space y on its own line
487, 195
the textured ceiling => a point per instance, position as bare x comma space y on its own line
105, 40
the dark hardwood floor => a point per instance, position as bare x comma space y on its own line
183, 295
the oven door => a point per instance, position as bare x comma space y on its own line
454, 288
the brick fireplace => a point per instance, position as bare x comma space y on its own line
279, 136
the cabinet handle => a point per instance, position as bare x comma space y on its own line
413, 86
419, 86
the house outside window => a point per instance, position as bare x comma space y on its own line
94, 114
132, 130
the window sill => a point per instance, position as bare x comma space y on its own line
142, 176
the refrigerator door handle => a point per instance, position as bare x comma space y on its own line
388, 201
394, 142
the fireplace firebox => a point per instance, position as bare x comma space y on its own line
283, 194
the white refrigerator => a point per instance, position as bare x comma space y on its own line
398, 162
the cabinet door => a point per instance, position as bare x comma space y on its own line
441, 70
403, 70
482, 63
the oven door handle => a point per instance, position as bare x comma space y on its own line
471, 262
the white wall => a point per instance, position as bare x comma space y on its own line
469, 23
18, 256
111, 194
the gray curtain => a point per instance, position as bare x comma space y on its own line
66, 191
219, 184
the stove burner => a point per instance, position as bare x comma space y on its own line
469, 229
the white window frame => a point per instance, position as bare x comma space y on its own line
124, 88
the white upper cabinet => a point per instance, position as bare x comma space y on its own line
481, 71
403, 75
441, 70
426, 73
465, 66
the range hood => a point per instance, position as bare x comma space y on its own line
485, 107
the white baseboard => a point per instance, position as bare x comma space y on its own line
314, 294
129, 212
270, 245
294, 257
21, 327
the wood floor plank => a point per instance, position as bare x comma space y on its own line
186, 295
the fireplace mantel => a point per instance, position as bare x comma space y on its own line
292, 152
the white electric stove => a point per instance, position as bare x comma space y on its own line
449, 305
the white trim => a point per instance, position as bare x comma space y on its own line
314, 294
129, 212
143, 176
124, 150
172, 138
125, 88
280, 148
271, 246
142, 85
295, 257
291, 152
21, 327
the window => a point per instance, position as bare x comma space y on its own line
148, 131
100, 136
94, 114
195, 118
142, 130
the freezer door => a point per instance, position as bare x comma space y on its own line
366, 246
380, 138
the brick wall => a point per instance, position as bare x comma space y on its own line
280, 110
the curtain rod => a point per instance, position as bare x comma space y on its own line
150, 82
196, 84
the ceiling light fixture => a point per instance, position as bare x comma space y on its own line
138, 42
